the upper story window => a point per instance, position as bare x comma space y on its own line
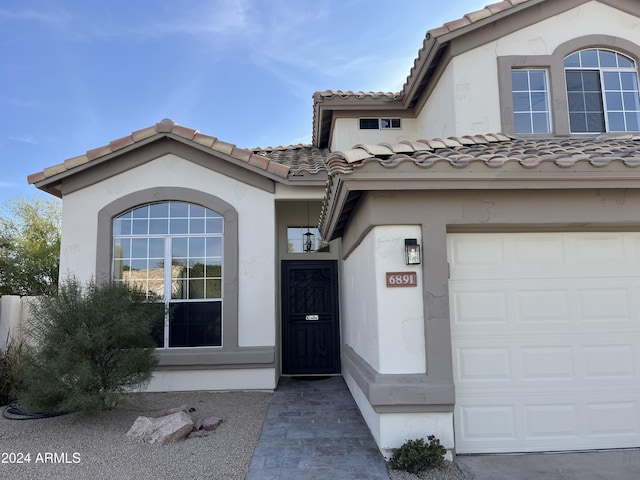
530, 94
174, 251
602, 92
380, 123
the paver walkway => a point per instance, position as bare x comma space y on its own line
313, 430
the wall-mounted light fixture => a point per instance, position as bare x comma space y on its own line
412, 251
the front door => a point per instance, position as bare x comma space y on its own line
310, 331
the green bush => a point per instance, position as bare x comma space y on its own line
9, 372
415, 456
90, 345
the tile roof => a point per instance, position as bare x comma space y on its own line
493, 150
165, 128
299, 158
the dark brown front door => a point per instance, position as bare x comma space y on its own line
310, 329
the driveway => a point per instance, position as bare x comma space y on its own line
597, 465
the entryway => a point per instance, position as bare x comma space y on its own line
310, 325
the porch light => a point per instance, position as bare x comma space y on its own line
412, 251
308, 241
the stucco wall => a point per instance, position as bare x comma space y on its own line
347, 132
466, 100
256, 211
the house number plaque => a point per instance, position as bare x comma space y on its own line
402, 279
312, 318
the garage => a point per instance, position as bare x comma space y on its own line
545, 340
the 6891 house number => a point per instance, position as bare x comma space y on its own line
402, 279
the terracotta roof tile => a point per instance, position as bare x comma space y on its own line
494, 151
164, 128
301, 159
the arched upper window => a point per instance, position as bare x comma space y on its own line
602, 92
174, 251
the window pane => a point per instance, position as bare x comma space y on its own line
572, 60
629, 81
611, 80
157, 225
633, 121
607, 58
522, 123
395, 123
616, 121
631, 101
521, 102
213, 269
625, 62
595, 122
196, 247
578, 122
141, 212
196, 288
178, 209
140, 227
614, 101
538, 80
213, 288
196, 225
214, 225
179, 247
196, 211
520, 80
385, 123
591, 81
122, 226
139, 248
540, 123
159, 210
539, 101
589, 58
593, 102
576, 102
156, 247
122, 248
369, 123
574, 81
214, 247
195, 324
178, 226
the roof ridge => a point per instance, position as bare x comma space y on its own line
165, 127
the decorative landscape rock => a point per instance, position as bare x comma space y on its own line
211, 423
162, 430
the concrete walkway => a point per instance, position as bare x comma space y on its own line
596, 465
314, 430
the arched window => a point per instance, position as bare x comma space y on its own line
602, 92
174, 252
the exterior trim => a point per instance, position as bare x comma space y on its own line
554, 64
118, 163
389, 393
230, 353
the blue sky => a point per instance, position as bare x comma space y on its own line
75, 74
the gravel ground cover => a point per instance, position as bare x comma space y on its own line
73, 446
450, 471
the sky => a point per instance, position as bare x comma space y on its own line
76, 74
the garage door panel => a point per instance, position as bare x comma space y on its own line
546, 341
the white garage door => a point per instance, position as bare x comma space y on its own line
546, 341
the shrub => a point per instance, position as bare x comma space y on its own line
415, 456
10, 372
90, 345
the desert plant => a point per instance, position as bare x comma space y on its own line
415, 456
90, 344
10, 376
